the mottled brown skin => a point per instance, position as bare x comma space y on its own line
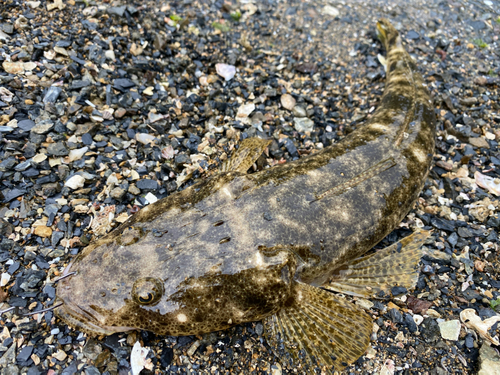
231, 249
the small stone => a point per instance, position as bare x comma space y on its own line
52, 94
75, 182
225, 71
120, 112
38, 158
245, 110
60, 355
450, 330
132, 189
147, 184
42, 128
144, 138
57, 149
331, 11
4, 279
149, 91
489, 360
117, 193
26, 125
303, 124
288, 101
110, 55
43, 231
77, 154
479, 142
135, 49
13, 67
412, 35
24, 353
151, 198
299, 111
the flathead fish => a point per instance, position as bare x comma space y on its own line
243, 247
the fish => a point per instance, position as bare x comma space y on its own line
275, 245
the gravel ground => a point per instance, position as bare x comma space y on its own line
108, 106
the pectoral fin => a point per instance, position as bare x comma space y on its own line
248, 152
318, 330
395, 265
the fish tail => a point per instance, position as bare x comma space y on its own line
318, 330
396, 265
387, 34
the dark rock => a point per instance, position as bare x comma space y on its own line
398, 290
87, 139
24, 354
412, 35
57, 149
410, 323
147, 184
396, 316
123, 84
26, 125
52, 94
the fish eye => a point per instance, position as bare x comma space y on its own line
147, 291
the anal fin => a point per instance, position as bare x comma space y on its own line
248, 152
395, 265
318, 331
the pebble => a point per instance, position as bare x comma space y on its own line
144, 138
303, 124
331, 11
288, 101
75, 182
450, 330
77, 154
299, 111
489, 361
226, 71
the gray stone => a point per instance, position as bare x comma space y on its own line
26, 125
43, 128
299, 111
57, 149
117, 193
9, 356
303, 124
489, 360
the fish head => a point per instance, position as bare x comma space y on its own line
119, 288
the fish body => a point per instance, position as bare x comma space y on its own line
243, 247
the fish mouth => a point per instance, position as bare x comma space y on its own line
75, 316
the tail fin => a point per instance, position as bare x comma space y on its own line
318, 330
395, 265
387, 34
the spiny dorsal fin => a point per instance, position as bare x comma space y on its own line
318, 330
249, 151
395, 265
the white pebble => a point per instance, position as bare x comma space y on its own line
77, 153
450, 330
5, 279
75, 182
144, 138
225, 71
245, 110
151, 198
